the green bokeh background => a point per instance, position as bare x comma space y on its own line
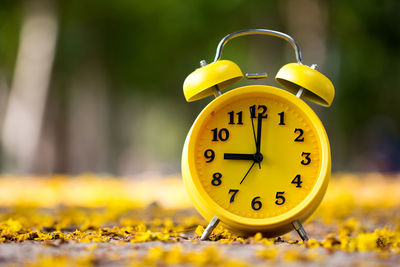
115, 102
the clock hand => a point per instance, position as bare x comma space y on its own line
254, 132
238, 156
259, 128
247, 172
252, 125
258, 140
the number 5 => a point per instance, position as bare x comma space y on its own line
280, 199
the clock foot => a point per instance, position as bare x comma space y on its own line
300, 230
210, 227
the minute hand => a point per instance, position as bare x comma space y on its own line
259, 127
238, 156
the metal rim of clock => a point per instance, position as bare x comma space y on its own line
281, 35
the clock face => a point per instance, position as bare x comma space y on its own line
257, 155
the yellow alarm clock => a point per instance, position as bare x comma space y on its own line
257, 158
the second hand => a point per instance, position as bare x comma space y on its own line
247, 172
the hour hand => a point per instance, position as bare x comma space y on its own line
238, 156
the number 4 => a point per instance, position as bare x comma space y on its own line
297, 180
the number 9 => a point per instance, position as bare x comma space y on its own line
209, 154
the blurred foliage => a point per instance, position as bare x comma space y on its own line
150, 46
365, 40
144, 50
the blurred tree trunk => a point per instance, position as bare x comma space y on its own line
87, 126
3, 99
306, 21
23, 119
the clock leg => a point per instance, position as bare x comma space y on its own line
300, 230
210, 227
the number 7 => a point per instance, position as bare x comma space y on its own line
234, 191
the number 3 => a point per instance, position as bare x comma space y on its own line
307, 159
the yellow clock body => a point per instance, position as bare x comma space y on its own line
285, 183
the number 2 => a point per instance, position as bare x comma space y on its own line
299, 138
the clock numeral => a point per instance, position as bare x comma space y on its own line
209, 154
262, 110
307, 158
299, 138
234, 191
256, 204
232, 117
216, 181
280, 199
222, 134
297, 180
281, 118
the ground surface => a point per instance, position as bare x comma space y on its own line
102, 221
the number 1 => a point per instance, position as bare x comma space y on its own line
281, 118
